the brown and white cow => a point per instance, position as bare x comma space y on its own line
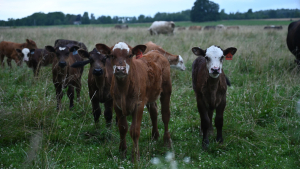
35, 58
99, 81
176, 61
209, 84
232, 27
8, 49
137, 82
162, 27
121, 26
63, 74
293, 40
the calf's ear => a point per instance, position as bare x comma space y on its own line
19, 50
50, 49
198, 51
73, 48
102, 48
138, 48
231, 50
83, 53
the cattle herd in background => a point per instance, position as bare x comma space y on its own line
127, 78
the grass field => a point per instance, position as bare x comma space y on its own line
261, 124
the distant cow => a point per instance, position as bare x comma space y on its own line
63, 74
233, 27
99, 81
35, 58
273, 27
121, 26
8, 49
162, 27
209, 84
198, 28
137, 82
293, 40
175, 61
181, 28
210, 28
64, 42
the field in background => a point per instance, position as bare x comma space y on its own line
254, 22
261, 125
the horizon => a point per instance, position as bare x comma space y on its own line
16, 9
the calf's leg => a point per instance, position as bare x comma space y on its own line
135, 130
2, 60
205, 123
96, 108
108, 112
152, 107
70, 94
165, 111
59, 94
123, 128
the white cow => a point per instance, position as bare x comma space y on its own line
162, 27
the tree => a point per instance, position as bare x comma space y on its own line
93, 19
85, 18
205, 10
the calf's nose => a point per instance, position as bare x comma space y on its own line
215, 70
98, 72
120, 69
62, 64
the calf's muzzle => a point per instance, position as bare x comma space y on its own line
97, 72
62, 64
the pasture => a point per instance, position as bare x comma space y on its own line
261, 125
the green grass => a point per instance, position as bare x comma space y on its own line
261, 124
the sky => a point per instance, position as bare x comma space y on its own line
22, 8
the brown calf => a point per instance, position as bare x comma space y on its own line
198, 28
209, 84
99, 81
64, 42
8, 49
137, 82
175, 61
293, 40
35, 58
64, 75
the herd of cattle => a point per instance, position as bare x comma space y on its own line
127, 78
168, 27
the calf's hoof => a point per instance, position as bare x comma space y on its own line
205, 144
167, 139
219, 140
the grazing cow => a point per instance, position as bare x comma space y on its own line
99, 81
233, 27
35, 58
121, 26
175, 61
293, 40
8, 49
209, 84
210, 28
273, 27
137, 82
64, 42
181, 28
63, 74
162, 27
196, 28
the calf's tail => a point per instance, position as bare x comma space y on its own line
227, 81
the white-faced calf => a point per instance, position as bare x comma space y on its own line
209, 84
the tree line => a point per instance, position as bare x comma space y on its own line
203, 10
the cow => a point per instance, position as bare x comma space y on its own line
273, 27
181, 28
99, 81
8, 49
137, 82
35, 58
232, 27
176, 61
210, 28
64, 42
197, 28
293, 40
121, 26
162, 27
209, 85
63, 74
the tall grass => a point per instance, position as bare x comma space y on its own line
261, 125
